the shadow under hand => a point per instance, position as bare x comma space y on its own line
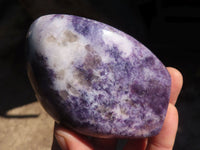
19, 116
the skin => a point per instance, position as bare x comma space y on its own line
69, 140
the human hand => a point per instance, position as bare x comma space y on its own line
69, 140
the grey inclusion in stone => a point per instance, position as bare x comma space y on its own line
95, 79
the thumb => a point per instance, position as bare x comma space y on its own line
69, 140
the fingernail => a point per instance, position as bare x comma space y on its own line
61, 141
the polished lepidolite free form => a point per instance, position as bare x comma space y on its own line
95, 79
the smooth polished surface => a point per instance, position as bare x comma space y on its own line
96, 79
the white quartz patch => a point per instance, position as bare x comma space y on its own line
114, 39
63, 48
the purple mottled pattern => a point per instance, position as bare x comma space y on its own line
95, 79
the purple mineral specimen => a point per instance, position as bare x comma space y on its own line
95, 79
